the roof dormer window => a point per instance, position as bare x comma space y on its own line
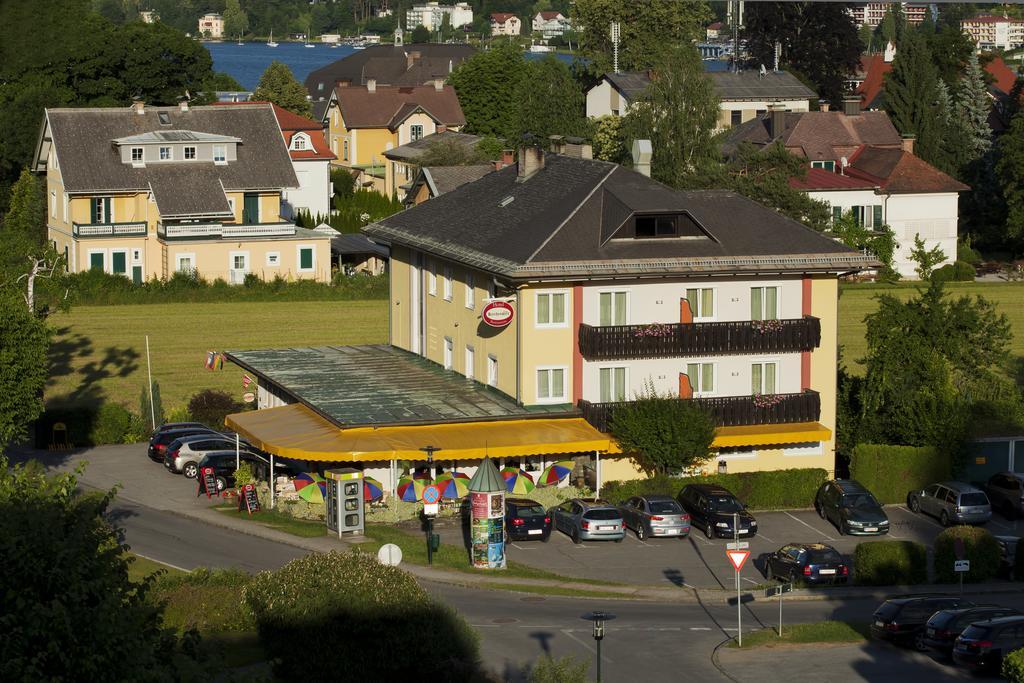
137, 156
656, 226
190, 153
300, 142
165, 154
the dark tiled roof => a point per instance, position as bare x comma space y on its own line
744, 85
443, 179
820, 135
89, 163
389, 105
357, 244
196, 193
821, 179
389, 65
559, 222
900, 172
411, 151
381, 385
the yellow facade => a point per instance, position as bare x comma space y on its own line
544, 346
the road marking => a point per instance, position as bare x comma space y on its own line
166, 564
699, 628
516, 545
638, 540
750, 580
760, 535
1000, 524
586, 646
809, 526
921, 516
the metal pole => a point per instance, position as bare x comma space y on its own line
149, 374
597, 472
238, 454
739, 604
430, 450
272, 482
780, 611
598, 660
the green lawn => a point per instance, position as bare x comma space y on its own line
821, 632
857, 301
99, 352
276, 520
142, 567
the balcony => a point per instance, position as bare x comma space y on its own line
131, 229
673, 340
732, 411
226, 230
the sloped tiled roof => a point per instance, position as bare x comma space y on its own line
444, 179
291, 123
389, 105
899, 172
502, 17
732, 86
410, 151
821, 135
822, 179
389, 65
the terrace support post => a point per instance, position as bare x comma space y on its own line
597, 472
271, 481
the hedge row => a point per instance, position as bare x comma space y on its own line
890, 472
890, 563
980, 547
774, 490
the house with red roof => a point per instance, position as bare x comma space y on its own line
505, 24
311, 158
858, 162
550, 24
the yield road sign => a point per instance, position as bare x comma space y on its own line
737, 557
739, 545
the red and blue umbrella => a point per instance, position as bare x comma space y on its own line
372, 489
311, 487
453, 487
517, 481
556, 472
410, 490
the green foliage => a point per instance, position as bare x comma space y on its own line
1013, 666
236, 21
646, 28
954, 272
819, 40
926, 259
486, 85
678, 115
448, 152
979, 547
973, 105
549, 102
547, 669
221, 81
772, 490
278, 85
344, 183
354, 607
24, 341
966, 253
71, 612
490, 147
890, 563
1010, 176
890, 472
244, 474
420, 34
880, 242
608, 141
207, 600
1018, 562
179, 414
361, 208
112, 424
663, 433
145, 413
211, 406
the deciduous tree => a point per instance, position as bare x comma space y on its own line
549, 101
926, 259
881, 241
1010, 173
278, 85
236, 21
486, 85
24, 340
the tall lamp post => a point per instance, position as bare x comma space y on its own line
430, 450
598, 618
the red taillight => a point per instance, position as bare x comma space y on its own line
892, 627
807, 571
686, 518
585, 524
657, 519
983, 643
547, 520
159, 447
516, 521
844, 570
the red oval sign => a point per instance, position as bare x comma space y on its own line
498, 313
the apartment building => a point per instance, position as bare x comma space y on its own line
872, 13
991, 32
431, 15
505, 24
211, 26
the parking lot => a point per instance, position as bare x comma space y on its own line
699, 562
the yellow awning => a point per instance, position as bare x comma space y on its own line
295, 431
764, 435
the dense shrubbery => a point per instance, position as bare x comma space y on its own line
979, 547
208, 600
1013, 666
211, 406
375, 619
97, 288
890, 472
113, 422
774, 490
954, 272
890, 563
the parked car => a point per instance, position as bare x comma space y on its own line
983, 644
168, 426
807, 562
851, 508
712, 509
946, 625
181, 455
1005, 492
655, 516
526, 520
588, 519
902, 620
952, 502
1007, 552
223, 464
158, 444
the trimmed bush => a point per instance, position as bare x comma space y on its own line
890, 472
211, 406
375, 619
1013, 666
113, 423
954, 272
773, 490
890, 563
979, 547
565, 670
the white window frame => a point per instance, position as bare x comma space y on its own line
469, 370
298, 258
778, 300
563, 398
714, 376
714, 304
231, 204
745, 453
231, 262
811, 448
566, 293
492, 370
106, 259
67, 207
447, 283
223, 149
612, 292
195, 153
273, 259
142, 155
301, 142
184, 254
170, 153
53, 203
413, 137
344, 148
470, 291
449, 352
432, 279
625, 380
762, 362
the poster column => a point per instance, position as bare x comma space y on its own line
487, 530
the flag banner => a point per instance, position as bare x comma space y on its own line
211, 359
246, 381
219, 362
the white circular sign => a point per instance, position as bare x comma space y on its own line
389, 554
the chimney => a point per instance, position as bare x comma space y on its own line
507, 159
371, 85
576, 147
183, 104
908, 143
822, 105
776, 120
557, 144
411, 58
531, 160
139, 106
851, 106
438, 85
441, 128
642, 157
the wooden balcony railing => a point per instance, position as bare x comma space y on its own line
731, 411
671, 340
130, 229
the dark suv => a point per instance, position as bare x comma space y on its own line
1006, 493
902, 620
159, 442
526, 520
851, 508
946, 625
712, 508
983, 644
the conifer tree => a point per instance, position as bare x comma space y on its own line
912, 96
972, 110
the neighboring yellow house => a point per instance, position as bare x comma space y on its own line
364, 122
145, 192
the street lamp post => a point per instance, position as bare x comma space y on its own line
598, 618
430, 450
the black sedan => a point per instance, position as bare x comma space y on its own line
902, 620
812, 563
945, 626
526, 520
983, 644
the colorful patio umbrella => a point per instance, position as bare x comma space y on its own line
372, 489
517, 481
311, 487
556, 472
453, 487
410, 490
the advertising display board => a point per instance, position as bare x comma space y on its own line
487, 530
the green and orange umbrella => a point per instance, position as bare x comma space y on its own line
556, 472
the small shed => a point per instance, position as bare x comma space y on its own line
356, 253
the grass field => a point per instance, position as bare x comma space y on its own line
99, 352
857, 301
821, 632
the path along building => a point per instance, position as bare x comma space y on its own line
613, 282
